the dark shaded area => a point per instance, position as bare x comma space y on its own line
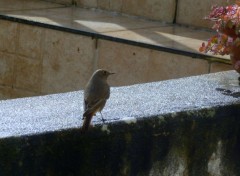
234, 94
129, 149
176, 12
229, 92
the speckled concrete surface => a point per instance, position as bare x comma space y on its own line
29, 116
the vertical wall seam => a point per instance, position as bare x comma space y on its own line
175, 13
209, 66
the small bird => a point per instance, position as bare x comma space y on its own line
96, 93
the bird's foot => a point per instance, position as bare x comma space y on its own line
104, 120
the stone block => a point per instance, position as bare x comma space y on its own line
28, 74
152, 9
12, 5
30, 41
218, 67
193, 12
116, 5
5, 92
20, 93
129, 62
67, 61
8, 36
87, 3
170, 66
104, 4
65, 2
6, 68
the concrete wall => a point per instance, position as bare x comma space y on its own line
153, 9
193, 12
174, 147
40, 61
35, 61
187, 12
181, 127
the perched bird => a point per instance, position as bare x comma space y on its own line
96, 93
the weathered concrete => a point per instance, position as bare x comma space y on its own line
187, 126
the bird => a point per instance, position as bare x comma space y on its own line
96, 94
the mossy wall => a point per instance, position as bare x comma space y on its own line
191, 143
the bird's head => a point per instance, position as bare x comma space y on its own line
102, 74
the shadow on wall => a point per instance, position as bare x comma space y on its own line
230, 92
114, 25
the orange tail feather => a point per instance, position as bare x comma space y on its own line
86, 122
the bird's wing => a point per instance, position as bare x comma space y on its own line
93, 107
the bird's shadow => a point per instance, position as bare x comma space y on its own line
229, 92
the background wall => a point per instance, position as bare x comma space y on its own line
185, 12
36, 61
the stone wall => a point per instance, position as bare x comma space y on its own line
153, 9
187, 126
36, 61
185, 12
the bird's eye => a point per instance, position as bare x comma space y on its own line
104, 72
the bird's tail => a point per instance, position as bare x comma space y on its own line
86, 122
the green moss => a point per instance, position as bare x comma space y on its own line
206, 113
128, 137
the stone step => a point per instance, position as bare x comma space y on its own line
187, 126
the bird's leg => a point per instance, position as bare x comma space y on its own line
103, 120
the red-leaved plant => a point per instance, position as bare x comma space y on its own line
227, 24
227, 40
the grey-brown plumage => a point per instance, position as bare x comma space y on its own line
96, 93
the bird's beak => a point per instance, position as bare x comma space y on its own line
112, 73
